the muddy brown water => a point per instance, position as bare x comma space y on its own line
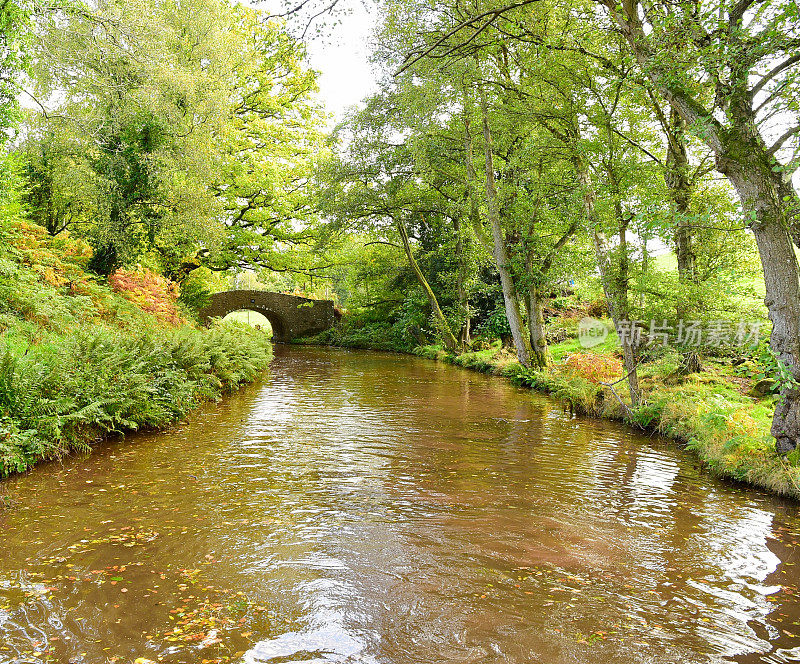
370, 508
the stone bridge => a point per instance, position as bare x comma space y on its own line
290, 316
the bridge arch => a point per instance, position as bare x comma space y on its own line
259, 319
290, 316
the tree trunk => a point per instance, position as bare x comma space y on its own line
534, 306
679, 186
441, 322
462, 294
760, 191
521, 340
617, 307
676, 177
471, 180
623, 266
535, 309
742, 156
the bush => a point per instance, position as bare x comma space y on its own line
495, 325
78, 361
150, 292
594, 368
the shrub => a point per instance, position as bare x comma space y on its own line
359, 331
149, 291
78, 362
495, 325
60, 396
597, 308
594, 368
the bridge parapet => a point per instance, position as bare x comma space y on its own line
291, 316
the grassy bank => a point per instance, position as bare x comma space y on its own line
714, 413
80, 360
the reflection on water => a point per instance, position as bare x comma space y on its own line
369, 508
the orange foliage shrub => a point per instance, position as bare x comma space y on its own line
149, 291
594, 368
57, 260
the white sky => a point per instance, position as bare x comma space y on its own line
340, 55
346, 76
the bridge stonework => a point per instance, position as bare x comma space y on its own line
290, 316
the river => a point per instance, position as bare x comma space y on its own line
369, 508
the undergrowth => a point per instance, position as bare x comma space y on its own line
60, 396
79, 361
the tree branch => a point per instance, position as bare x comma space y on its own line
772, 73
636, 145
491, 14
783, 138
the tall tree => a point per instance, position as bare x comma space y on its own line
195, 123
14, 21
372, 184
729, 70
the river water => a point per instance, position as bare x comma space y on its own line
371, 508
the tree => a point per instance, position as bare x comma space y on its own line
729, 70
14, 18
270, 147
194, 124
373, 185
518, 91
63, 191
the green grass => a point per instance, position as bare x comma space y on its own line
666, 262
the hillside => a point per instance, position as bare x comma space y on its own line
80, 360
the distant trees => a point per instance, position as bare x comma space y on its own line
373, 185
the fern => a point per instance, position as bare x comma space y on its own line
58, 397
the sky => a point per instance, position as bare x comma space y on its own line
341, 56
346, 76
